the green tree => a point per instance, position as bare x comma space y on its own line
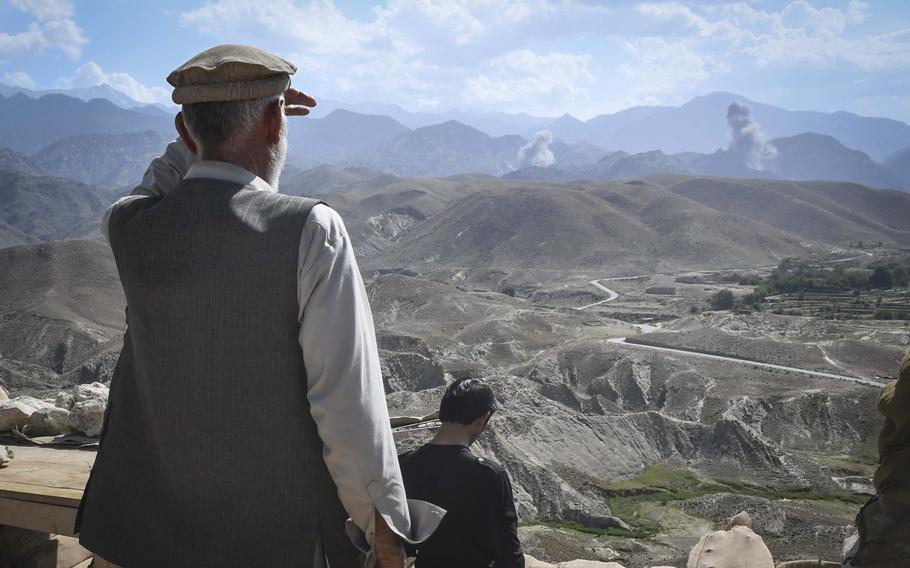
723, 300
881, 278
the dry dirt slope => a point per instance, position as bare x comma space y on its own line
61, 308
665, 222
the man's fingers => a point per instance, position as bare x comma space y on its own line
296, 111
295, 97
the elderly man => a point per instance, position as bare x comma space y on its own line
247, 398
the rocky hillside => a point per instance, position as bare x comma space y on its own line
27, 125
445, 149
104, 160
43, 208
61, 315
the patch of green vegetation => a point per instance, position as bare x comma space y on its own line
663, 484
657, 478
862, 462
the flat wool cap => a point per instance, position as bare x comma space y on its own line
230, 73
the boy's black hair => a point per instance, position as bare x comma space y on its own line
465, 401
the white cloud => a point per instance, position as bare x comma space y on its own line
799, 33
66, 36
420, 51
53, 30
545, 56
318, 26
12, 45
46, 9
91, 74
19, 79
525, 76
658, 67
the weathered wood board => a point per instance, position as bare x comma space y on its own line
41, 488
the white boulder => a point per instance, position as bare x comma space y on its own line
87, 417
91, 391
64, 400
47, 422
87, 413
16, 412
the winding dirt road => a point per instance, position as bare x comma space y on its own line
611, 294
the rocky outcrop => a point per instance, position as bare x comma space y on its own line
408, 365
98, 369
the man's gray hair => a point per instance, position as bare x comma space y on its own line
218, 129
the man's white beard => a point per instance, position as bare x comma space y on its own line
277, 156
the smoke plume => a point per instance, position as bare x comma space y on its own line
748, 141
537, 152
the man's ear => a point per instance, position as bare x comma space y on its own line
274, 116
184, 133
481, 422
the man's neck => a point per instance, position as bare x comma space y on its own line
450, 434
250, 162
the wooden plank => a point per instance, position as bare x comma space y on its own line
46, 475
41, 517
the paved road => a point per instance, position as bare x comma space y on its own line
820, 374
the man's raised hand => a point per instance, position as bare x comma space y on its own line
297, 103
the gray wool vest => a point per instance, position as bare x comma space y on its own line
209, 455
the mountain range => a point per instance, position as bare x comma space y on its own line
100, 143
27, 125
806, 156
698, 125
663, 222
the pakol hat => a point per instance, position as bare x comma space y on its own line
230, 73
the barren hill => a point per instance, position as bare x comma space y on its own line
816, 156
47, 208
107, 160
338, 137
61, 308
444, 149
17, 162
596, 225
828, 212
326, 179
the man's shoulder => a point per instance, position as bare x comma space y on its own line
489, 465
131, 204
484, 466
312, 211
293, 202
329, 221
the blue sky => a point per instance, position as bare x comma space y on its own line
545, 57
